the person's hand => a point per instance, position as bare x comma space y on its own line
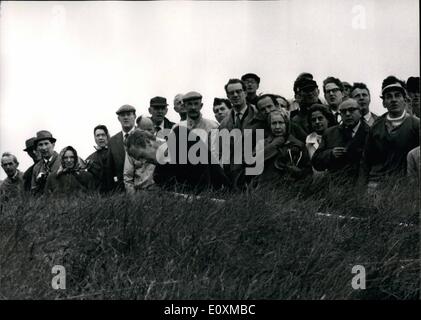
278, 141
338, 152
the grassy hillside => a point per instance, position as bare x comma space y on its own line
256, 245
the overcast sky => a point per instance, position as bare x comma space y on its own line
68, 66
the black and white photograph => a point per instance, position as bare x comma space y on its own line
210, 151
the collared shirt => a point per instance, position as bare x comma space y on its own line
98, 148
312, 143
199, 123
337, 115
241, 112
355, 129
131, 130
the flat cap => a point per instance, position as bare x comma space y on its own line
192, 95
395, 86
251, 76
126, 108
158, 102
29, 144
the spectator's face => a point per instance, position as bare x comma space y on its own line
350, 113
277, 125
363, 98
193, 108
308, 96
347, 91
236, 95
220, 111
179, 106
251, 85
319, 122
34, 154
101, 138
9, 166
45, 148
394, 101
69, 159
147, 125
158, 113
333, 94
415, 102
282, 103
127, 120
265, 105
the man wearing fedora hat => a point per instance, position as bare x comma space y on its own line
44, 142
116, 150
391, 137
158, 108
34, 154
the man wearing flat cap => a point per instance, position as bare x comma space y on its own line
306, 94
50, 161
252, 82
391, 137
193, 103
126, 115
158, 108
35, 156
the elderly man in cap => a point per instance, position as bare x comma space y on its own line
13, 185
49, 163
361, 94
126, 115
252, 82
391, 137
179, 107
193, 104
158, 108
341, 147
413, 87
334, 94
97, 161
307, 94
34, 154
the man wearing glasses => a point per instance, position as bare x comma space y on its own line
391, 137
334, 94
342, 145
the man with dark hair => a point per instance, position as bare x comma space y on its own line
176, 175
126, 115
158, 108
342, 145
49, 163
252, 82
334, 94
307, 94
242, 116
34, 154
361, 94
97, 161
391, 137
179, 107
221, 108
413, 86
13, 185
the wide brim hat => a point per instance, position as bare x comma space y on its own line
29, 144
44, 135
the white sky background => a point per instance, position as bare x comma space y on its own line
68, 66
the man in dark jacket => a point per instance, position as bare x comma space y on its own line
34, 154
13, 185
391, 137
49, 163
158, 108
175, 170
116, 152
243, 117
252, 82
97, 161
341, 147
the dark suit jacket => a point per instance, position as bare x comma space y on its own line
115, 162
251, 120
336, 137
168, 124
